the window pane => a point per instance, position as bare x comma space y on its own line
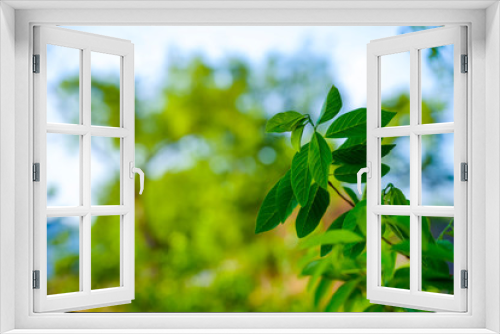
105, 72
63, 260
395, 153
105, 257
437, 84
437, 254
437, 169
105, 171
395, 252
395, 86
63, 170
63, 84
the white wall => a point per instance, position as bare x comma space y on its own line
492, 164
7, 160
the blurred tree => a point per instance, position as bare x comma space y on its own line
208, 163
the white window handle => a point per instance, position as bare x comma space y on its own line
368, 171
139, 171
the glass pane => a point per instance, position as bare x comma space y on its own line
395, 87
105, 259
63, 84
105, 72
437, 254
437, 169
437, 84
105, 171
63, 170
395, 250
395, 153
63, 259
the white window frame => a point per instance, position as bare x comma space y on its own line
483, 21
413, 43
86, 44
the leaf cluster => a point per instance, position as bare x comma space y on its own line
315, 168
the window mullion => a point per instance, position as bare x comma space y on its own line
414, 170
85, 250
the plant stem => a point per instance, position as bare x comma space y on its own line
340, 194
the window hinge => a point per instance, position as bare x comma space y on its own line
36, 279
36, 63
36, 172
464, 170
465, 279
465, 64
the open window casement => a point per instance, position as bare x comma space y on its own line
415, 213
50, 137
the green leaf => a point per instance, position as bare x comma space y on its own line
268, 217
353, 124
320, 159
285, 199
317, 272
301, 177
400, 225
353, 141
356, 218
352, 195
321, 290
402, 247
331, 238
348, 173
340, 296
427, 236
395, 197
337, 224
388, 263
310, 215
284, 121
353, 250
297, 136
356, 154
443, 250
331, 106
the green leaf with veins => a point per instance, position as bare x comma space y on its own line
268, 216
353, 124
356, 154
331, 238
301, 176
285, 199
320, 159
284, 121
310, 215
331, 106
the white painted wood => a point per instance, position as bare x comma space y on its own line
406, 210
256, 331
77, 129
471, 322
492, 163
247, 4
86, 298
414, 298
7, 167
